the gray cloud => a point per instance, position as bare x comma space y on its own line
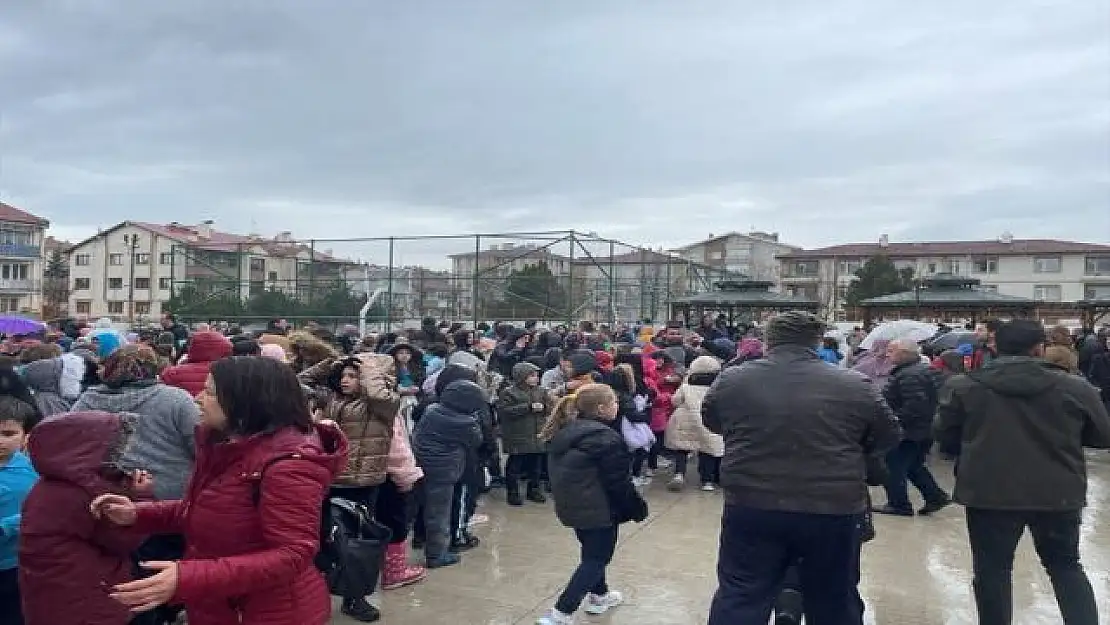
652, 121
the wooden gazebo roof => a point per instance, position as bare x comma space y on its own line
948, 292
745, 294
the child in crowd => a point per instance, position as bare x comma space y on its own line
633, 419
592, 485
830, 351
410, 368
522, 409
446, 437
668, 379
17, 476
686, 433
68, 560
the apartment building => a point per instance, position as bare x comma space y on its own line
494, 265
1041, 269
641, 282
754, 254
21, 260
416, 292
129, 271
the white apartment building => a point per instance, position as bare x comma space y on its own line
129, 271
493, 266
754, 254
1040, 269
22, 260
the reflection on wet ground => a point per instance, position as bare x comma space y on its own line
916, 572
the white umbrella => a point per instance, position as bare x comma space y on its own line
902, 329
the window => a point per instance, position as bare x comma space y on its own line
115, 259
802, 269
81, 260
985, 265
1096, 291
9, 304
142, 259
115, 308
164, 284
115, 283
1047, 293
1047, 264
83, 307
932, 267
81, 284
142, 283
142, 308
850, 267
1097, 266
272, 277
165, 258
989, 288
954, 267
258, 264
14, 271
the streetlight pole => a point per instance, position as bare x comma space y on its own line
132, 242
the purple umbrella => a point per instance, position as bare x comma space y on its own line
18, 326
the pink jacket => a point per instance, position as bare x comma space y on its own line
401, 466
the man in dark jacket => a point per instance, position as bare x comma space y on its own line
1022, 426
911, 393
793, 474
509, 352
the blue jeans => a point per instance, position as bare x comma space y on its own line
757, 547
598, 546
907, 462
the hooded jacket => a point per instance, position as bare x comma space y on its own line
44, 377
69, 561
591, 477
450, 431
911, 392
204, 349
17, 476
1021, 426
366, 419
251, 521
520, 422
685, 430
163, 443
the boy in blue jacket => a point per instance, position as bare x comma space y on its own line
16, 479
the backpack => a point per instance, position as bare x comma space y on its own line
352, 543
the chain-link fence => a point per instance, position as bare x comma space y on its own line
553, 277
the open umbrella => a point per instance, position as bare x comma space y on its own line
902, 329
12, 325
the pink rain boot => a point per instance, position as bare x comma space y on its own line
397, 572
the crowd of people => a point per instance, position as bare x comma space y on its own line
148, 475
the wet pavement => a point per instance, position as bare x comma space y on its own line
916, 572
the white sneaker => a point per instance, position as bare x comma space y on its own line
555, 617
641, 482
708, 487
600, 604
677, 483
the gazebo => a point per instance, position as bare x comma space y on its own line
1092, 311
948, 295
739, 296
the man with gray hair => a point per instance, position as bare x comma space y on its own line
911, 391
798, 434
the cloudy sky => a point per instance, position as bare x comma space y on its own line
656, 122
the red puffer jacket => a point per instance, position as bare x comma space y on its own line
68, 562
204, 349
249, 564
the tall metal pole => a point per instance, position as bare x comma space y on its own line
389, 291
132, 241
612, 288
474, 280
570, 283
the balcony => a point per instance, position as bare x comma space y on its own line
19, 250
18, 286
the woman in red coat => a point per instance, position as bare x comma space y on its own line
251, 513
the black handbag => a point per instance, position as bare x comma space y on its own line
352, 548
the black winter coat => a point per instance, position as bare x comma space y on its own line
450, 432
911, 392
591, 477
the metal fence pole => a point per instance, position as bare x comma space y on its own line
389, 290
612, 286
570, 283
474, 281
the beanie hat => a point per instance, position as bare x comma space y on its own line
794, 327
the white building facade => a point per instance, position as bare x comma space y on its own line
1039, 269
754, 254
